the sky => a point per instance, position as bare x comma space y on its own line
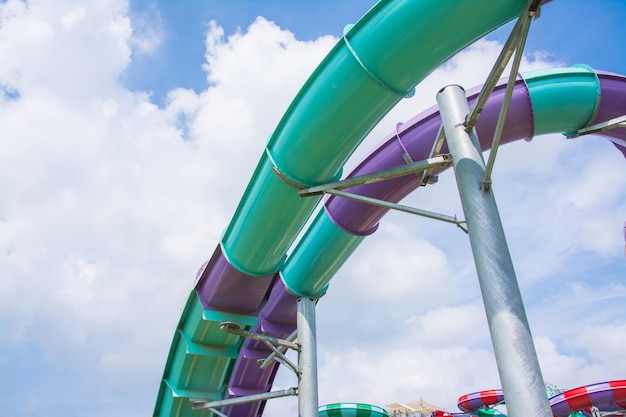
128, 133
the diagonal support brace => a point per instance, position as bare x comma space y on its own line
514, 45
264, 363
235, 328
271, 342
399, 171
400, 207
426, 167
212, 405
509, 48
600, 127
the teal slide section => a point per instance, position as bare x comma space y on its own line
379, 60
563, 100
319, 255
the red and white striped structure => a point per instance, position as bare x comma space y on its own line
607, 396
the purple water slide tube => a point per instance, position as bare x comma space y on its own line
415, 139
607, 397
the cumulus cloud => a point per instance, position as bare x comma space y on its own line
113, 201
68, 50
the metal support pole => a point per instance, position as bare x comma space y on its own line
513, 346
307, 359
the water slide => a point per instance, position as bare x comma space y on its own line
608, 397
352, 410
250, 281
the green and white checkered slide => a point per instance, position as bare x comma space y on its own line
352, 410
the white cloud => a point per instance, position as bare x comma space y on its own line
114, 203
395, 259
147, 30
404, 370
443, 325
604, 343
70, 50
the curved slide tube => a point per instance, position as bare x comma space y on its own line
352, 410
376, 64
278, 315
247, 280
543, 102
481, 412
607, 397
471, 403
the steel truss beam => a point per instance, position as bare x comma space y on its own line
424, 167
514, 45
213, 405
399, 171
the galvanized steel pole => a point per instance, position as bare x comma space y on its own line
518, 366
307, 359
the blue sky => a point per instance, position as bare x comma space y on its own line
185, 23
129, 132
580, 36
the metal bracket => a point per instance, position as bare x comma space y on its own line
235, 328
264, 363
288, 181
434, 151
272, 342
399, 171
600, 127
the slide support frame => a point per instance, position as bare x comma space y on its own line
514, 45
214, 405
306, 370
514, 350
600, 127
515, 42
308, 401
